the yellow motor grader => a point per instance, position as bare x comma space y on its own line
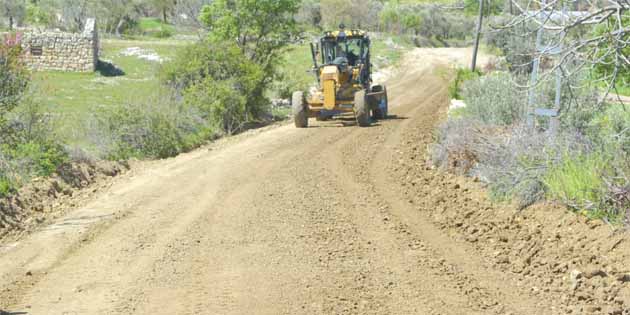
344, 79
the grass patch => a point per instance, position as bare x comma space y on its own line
73, 97
154, 27
578, 181
623, 90
461, 76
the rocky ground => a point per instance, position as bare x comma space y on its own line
333, 219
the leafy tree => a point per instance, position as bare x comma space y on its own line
609, 66
13, 10
390, 17
310, 13
353, 13
187, 12
165, 7
260, 29
411, 21
491, 7
13, 76
218, 80
36, 14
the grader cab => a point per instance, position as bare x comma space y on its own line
341, 63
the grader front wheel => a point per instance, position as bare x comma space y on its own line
361, 109
300, 115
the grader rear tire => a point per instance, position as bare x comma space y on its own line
300, 115
381, 110
361, 109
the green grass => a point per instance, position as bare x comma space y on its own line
155, 27
623, 90
72, 97
578, 181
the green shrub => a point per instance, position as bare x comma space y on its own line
157, 129
517, 44
611, 128
20, 162
164, 33
221, 82
14, 77
35, 14
495, 99
609, 53
578, 181
152, 27
5, 186
461, 76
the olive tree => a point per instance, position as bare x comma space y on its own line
13, 10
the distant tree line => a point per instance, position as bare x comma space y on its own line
114, 15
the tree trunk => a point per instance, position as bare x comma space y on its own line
164, 15
119, 26
10, 22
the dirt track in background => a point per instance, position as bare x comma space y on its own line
333, 219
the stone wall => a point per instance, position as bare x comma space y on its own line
60, 51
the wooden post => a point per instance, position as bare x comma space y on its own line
477, 36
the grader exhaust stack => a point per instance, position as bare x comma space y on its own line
344, 81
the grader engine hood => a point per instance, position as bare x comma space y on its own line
330, 81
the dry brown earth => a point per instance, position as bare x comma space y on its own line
333, 219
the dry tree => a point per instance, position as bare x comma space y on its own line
594, 38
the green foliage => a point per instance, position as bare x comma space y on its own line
461, 76
261, 28
309, 14
157, 129
353, 13
227, 80
611, 128
293, 74
41, 159
37, 15
495, 100
390, 16
411, 21
609, 65
28, 147
152, 27
13, 11
220, 81
585, 165
516, 44
491, 7
14, 77
578, 181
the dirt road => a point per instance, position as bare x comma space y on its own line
282, 221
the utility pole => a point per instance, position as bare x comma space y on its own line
477, 35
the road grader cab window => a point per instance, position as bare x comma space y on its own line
350, 51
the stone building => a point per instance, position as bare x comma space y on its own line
61, 51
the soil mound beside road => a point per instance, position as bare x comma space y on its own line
45, 199
324, 220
